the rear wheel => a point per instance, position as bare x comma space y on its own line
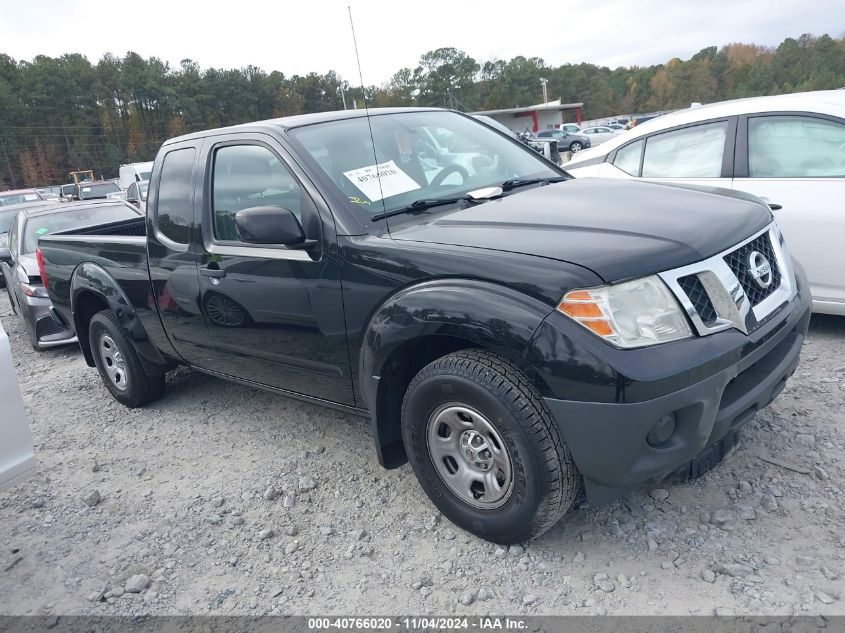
118, 364
485, 449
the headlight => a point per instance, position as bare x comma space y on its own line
631, 314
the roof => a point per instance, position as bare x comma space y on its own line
535, 108
821, 101
300, 120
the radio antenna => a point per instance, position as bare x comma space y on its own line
366, 107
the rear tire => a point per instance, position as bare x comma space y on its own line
505, 475
118, 364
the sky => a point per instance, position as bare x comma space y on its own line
314, 35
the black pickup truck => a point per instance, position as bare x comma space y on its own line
509, 330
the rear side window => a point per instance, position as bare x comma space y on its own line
250, 176
628, 158
795, 147
174, 195
693, 152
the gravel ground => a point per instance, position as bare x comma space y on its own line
219, 499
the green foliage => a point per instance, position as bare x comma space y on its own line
59, 114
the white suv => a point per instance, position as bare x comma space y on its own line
787, 149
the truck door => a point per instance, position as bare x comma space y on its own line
172, 258
274, 315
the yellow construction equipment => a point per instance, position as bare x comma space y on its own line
81, 175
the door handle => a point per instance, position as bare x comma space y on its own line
212, 272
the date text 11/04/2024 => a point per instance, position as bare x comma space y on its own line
419, 623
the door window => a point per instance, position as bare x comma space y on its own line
628, 158
795, 147
174, 195
693, 152
250, 176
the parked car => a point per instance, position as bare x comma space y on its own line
18, 196
508, 334
133, 172
570, 128
620, 127
136, 195
566, 141
50, 193
788, 149
97, 189
66, 192
19, 267
7, 215
598, 134
17, 460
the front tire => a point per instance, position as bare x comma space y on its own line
485, 448
118, 364
575, 147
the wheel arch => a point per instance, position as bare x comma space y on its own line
424, 322
93, 289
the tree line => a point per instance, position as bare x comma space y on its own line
65, 113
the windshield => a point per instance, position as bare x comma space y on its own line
97, 190
17, 198
144, 175
417, 155
40, 225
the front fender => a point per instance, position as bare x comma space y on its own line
484, 314
92, 285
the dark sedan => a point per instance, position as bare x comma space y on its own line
20, 269
566, 141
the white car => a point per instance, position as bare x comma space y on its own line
787, 149
599, 133
17, 461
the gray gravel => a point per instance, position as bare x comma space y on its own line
229, 500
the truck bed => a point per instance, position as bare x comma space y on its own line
120, 248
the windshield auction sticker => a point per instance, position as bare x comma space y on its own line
381, 181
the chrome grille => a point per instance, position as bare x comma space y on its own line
694, 289
721, 292
738, 262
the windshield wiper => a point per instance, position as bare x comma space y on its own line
521, 182
422, 205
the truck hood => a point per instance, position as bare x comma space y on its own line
619, 229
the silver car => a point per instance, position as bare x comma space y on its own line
24, 285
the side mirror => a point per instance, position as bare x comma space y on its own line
271, 225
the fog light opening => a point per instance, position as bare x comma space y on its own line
662, 431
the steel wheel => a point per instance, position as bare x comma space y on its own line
113, 362
222, 310
575, 147
470, 456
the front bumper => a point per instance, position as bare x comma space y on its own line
735, 376
43, 324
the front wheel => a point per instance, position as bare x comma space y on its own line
118, 364
575, 147
485, 449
